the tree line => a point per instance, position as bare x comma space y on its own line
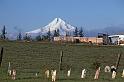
49, 36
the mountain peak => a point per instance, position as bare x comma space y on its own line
58, 19
57, 23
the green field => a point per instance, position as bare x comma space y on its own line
34, 57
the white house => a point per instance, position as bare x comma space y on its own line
117, 39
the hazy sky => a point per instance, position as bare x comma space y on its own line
31, 14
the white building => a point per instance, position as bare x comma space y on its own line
117, 39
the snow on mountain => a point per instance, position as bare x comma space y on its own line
57, 23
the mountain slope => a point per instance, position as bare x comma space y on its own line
57, 23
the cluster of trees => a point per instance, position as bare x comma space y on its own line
78, 33
49, 36
3, 35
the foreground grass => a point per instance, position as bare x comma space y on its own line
31, 58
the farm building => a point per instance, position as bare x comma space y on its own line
106, 39
117, 39
79, 39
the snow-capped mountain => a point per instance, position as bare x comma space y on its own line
57, 23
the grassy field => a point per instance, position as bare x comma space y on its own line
31, 58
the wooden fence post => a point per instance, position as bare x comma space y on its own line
118, 61
60, 62
1, 56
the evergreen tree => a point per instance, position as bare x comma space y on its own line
76, 32
19, 37
49, 35
81, 34
26, 37
66, 34
38, 38
44, 37
3, 35
58, 32
55, 33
